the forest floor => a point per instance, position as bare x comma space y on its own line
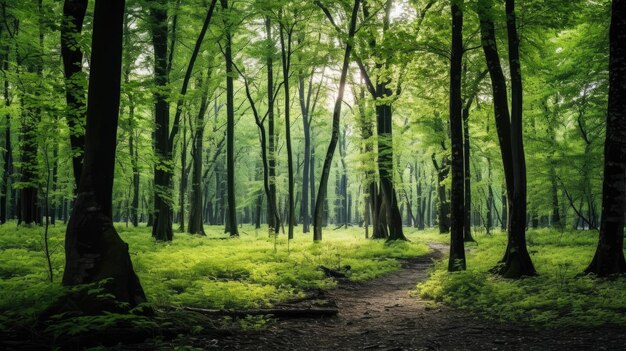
382, 314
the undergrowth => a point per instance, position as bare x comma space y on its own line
251, 271
558, 296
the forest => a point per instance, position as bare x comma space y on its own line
312, 175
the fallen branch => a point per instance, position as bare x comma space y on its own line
276, 312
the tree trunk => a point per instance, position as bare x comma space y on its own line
518, 262
456, 260
304, 207
321, 194
71, 28
8, 151
609, 256
230, 127
467, 223
162, 226
444, 206
273, 218
286, 63
196, 204
93, 249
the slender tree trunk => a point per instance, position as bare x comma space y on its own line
230, 127
457, 214
93, 249
196, 223
467, 224
162, 226
609, 256
71, 28
286, 63
8, 151
272, 215
444, 206
518, 262
321, 195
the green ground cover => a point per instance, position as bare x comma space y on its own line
558, 296
210, 272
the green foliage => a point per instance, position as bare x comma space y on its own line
558, 296
209, 272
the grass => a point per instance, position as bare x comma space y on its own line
558, 296
210, 272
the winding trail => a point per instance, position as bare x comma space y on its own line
382, 315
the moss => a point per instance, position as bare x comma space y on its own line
558, 296
211, 272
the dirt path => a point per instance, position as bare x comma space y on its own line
381, 315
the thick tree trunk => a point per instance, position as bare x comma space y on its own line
456, 259
94, 251
321, 194
609, 256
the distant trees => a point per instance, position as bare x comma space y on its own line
205, 102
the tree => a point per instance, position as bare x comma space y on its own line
162, 226
321, 193
230, 125
71, 28
457, 213
93, 249
609, 256
286, 34
516, 261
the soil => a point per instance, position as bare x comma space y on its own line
383, 315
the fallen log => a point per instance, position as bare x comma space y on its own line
276, 312
332, 273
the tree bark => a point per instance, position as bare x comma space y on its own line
8, 151
71, 28
609, 256
196, 204
456, 259
273, 218
286, 63
321, 194
162, 225
94, 251
516, 261
230, 127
